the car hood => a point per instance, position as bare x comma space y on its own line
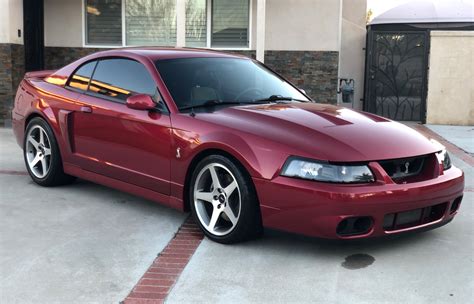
325, 132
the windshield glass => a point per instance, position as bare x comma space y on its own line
213, 81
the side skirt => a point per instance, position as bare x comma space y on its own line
157, 197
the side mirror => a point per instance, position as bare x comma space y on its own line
140, 102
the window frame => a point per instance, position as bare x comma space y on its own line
208, 29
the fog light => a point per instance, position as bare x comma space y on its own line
354, 226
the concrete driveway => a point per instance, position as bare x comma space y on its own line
81, 243
85, 243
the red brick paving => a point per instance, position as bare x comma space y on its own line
13, 172
159, 279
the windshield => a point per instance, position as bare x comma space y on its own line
195, 82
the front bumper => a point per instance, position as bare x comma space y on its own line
317, 209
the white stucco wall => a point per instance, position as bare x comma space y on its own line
451, 78
285, 20
11, 20
4, 22
302, 25
352, 54
63, 23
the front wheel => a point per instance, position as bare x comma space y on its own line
223, 201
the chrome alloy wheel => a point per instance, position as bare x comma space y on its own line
38, 151
217, 199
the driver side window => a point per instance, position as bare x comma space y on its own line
120, 78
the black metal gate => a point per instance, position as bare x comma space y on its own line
396, 75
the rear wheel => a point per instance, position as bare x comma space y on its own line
41, 154
223, 201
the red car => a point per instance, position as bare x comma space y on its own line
233, 142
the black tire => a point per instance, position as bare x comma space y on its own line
249, 223
55, 175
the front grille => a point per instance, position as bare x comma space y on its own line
409, 170
412, 218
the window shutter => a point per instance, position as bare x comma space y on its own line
230, 23
104, 22
151, 22
196, 23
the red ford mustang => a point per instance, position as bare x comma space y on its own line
236, 144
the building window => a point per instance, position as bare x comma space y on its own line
209, 23
104, 22
196, 23
230, 23
150, 22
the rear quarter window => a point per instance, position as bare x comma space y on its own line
81, 78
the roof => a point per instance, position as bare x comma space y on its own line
157, 53
428, 11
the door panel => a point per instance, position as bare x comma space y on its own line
397, 75
130, 145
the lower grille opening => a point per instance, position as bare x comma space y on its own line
455, 205
416, 217
354, 226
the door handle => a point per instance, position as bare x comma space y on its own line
86, 109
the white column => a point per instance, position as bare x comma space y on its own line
180, 23
261, 30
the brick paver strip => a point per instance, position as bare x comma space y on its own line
159, 279
13, 172
465, 156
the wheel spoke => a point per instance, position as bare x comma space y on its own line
214, 217
47, 151
215, 178
35, 160
230, 188
44, 164
204, 196
33, 141
230, 214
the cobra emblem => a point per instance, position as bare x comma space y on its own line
407, 165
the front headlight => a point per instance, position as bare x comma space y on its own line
442, 155
326, 172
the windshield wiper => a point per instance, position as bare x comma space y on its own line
276, 98
214, 102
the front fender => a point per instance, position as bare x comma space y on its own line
260, 157
234, 145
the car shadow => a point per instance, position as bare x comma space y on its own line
271, 240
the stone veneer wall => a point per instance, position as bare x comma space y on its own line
57, 57
12, 69
313, 71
